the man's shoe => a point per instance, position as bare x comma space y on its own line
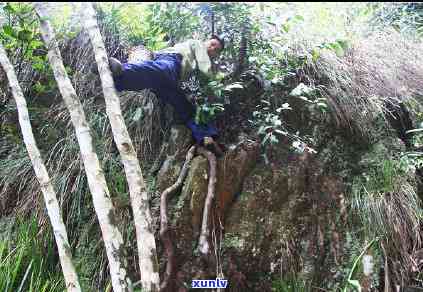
116, 67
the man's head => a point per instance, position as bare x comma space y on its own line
215, 45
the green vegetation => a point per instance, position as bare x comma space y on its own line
28, 261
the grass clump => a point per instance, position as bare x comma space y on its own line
387, 206
28, 262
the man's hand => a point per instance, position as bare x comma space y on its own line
212, 146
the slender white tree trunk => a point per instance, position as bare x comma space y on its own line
96, 181
53, 209
203, 242
138, 192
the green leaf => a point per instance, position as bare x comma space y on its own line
138, 114
414, 131
343, 44
355, 284
281, 132
36, 43
298, 18
321, 104
39, 88
304, 98
277, 122
339, 51
273, 139
25, 35
8, 8
7, 29
68, 70
301, 89
234, 86
286, 106
315, 55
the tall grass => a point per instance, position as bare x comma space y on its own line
388, 207
377, 73
27, 262
19, 189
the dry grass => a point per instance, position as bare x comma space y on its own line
388, 207
376, 74
396, 218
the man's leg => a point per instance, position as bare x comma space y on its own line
186, 111
142, 75
161, 76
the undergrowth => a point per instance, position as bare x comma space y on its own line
28, 261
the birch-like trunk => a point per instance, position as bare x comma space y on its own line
96, 181
138, 192
53, 209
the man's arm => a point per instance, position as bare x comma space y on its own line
202, 59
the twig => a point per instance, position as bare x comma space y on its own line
164, 228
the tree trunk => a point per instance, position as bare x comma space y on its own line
137, 188
53, 209
96, 181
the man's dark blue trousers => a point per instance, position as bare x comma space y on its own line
161, 76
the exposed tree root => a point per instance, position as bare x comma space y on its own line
204, 246
164, 228
203, 243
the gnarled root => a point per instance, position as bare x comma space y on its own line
164, 228
203, 243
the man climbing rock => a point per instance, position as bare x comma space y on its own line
163, 75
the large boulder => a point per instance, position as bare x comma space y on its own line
285, 222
